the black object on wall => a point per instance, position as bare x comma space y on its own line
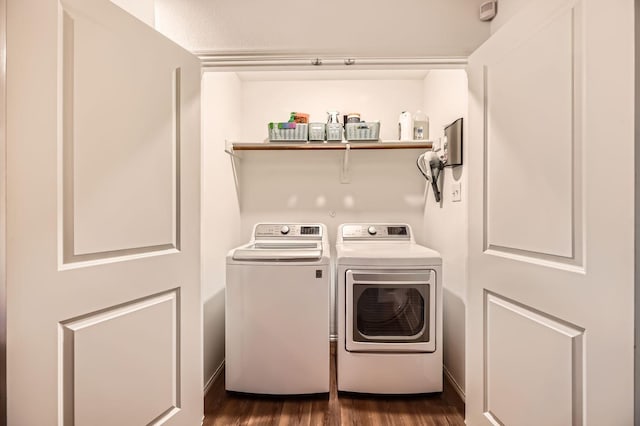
453, 133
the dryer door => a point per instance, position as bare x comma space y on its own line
390, 310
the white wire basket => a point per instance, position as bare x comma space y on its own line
288, 132
334, 132
316, 132
362, 131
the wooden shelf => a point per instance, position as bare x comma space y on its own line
233, 148
293, 146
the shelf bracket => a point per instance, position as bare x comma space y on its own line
228, 148
344, 173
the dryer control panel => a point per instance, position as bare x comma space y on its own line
275, 230
376, 232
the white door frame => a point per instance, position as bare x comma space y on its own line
636, 399
3, 211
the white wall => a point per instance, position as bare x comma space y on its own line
356, 27
306, 185
220, 207
144, 10
445, 223
378, 96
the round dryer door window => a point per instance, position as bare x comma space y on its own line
390, 310
391, 313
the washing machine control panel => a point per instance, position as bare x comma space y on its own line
272, 230
376, 232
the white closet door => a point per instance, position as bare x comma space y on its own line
551, 273
103, 253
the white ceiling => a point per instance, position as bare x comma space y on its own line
352, 28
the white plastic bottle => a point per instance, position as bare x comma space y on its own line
405, 126
420, 126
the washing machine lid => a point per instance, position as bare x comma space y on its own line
279, 251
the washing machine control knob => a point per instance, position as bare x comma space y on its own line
284, 230
372, 230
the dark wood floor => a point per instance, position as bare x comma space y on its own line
223, 408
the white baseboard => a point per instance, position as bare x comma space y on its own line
455, 384
213, 378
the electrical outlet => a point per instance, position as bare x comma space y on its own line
456, 191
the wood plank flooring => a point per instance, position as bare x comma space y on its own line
225, 408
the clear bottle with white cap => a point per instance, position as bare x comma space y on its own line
420, 126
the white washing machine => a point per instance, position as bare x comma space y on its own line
389, 311
277, 311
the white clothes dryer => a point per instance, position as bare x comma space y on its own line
389, 311
277, 311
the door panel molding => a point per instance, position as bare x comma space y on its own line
558, 242
552, 371
82, 345
77, 184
